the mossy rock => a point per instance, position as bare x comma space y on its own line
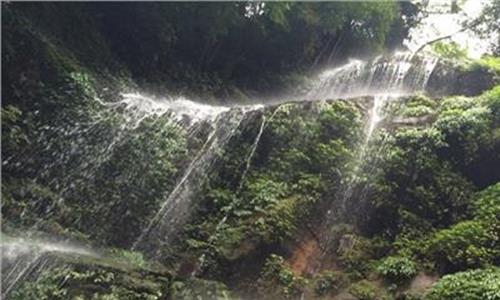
199, 289
69, 276
368, 290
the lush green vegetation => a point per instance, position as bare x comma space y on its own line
93, 282
198, 47
365, 290
397, 269
301, 155
313, 211
473, 284
278, 281
329, 283
34, 187
433, 207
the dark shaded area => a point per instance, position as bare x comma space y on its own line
196, 47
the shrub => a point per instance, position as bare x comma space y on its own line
44, 289
465, 245
274, 211
364, 290
471, 243
130, 257
277, 281
397, 269
354, 255
408, 295
199, 289
449, 50
489, 62
470, 285
328, 282
416, 188
491, 99
487, 204
416, 106
466, 128
90, 282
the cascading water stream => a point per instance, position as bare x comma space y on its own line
93, 143
25, 257
375, 114
180, 189
73, 153
113, 124
399, 74
384, 81
252, 152
176, 207
248, 161
376, 76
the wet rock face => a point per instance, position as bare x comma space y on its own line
453, 79
422, 283
346, 243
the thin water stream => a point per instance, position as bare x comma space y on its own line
385, 82
177, 205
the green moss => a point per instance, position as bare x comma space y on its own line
449, 50
92, 281
132, 258
366, 290
489, 62
329, 283
200, 289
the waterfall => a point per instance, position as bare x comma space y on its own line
22, 258
400, 73
180, 110
75, 152
384, 81
248, 161
382, 77
375, 114
177, 205
88, 144
70, 154
252, 152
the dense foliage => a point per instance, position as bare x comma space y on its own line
300, 203
45, 179
421, 211
199, 46
300, 157
105, 278
474, 284
397, 269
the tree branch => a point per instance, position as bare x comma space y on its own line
438, 39
467, 27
